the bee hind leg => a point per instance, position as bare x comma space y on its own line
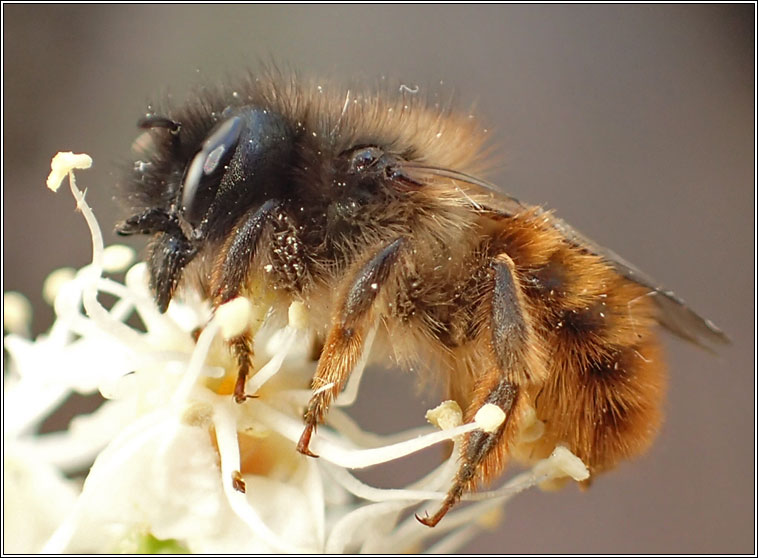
515, 362
345, 341
481, 452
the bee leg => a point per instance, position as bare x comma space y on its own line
479, 445
242, 348
232, 269
168, 256
517, 362
150, 221
230, 275
345, 341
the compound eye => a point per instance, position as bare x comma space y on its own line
364, 158
206, 169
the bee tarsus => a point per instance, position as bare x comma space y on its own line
242, 348
305, 438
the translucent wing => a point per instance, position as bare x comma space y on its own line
673, 312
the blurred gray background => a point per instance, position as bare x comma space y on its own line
634, 122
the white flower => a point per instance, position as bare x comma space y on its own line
176, 464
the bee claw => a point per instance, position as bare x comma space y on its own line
238, 483
433, 520
306, 451
305, 440
426, 520
244, 397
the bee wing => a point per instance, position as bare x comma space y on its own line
673, 313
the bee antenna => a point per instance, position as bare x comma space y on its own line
461, 177
449, 173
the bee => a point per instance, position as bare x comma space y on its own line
369, 208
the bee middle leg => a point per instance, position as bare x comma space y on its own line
345, 340
515, 362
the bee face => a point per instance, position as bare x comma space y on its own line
242, 159
199, 190
367, 207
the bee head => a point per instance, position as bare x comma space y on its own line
241, 161
197, 190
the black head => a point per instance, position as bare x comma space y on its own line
195, 186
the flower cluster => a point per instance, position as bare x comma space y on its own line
174, 464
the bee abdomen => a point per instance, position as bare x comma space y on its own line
606, 377
606, 408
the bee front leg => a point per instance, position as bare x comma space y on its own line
242, 348
345, 341
168, 256
231, 273
517, 359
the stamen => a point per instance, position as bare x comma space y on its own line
489, 417
64, 163
298, 315
228, 448
446, 415
117, 257
350, 393
562, 463
234, 316
273, 366
17, 313
55, 281
351, 458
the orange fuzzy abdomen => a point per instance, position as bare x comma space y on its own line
606, 380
